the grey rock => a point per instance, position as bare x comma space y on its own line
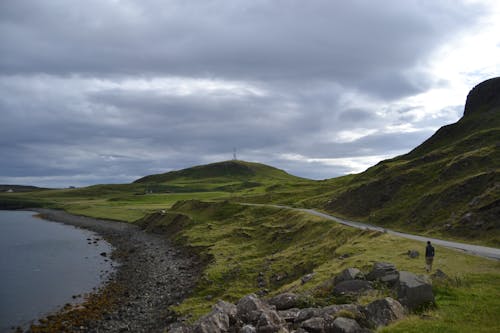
314, 325
413, 254
384, 272
249, 309
181, 329
413, 291
248, 329
307, 313
384, 311
333, 310
218, 320
289, 315
439, 275
270, 322
349, 274
352, 287
343, 325
306, 278
228, 308
284, 301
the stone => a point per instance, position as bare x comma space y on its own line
413, 291
343, 325
384, 311
222, 316
270, 322
181, 329
384, 272
306, 278
439, 275
307, 313
229, 308
284, 301
352, 287
289, 315
248, 329
249, 308
334, 310
349, 274
314, 325
413, 254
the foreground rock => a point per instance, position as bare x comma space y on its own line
349, 274
384, 311
281, 313
413, 291
384, 272
252, 314
351, 287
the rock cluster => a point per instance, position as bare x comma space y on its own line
282, 313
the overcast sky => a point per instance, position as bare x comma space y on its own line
107, 91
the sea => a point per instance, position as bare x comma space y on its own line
45, 265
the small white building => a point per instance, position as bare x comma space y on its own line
10, 190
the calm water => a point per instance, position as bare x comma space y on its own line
43, 264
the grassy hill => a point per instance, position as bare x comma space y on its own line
449, 185
228, 180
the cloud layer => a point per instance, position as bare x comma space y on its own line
108, 91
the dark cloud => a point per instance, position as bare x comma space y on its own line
103, 91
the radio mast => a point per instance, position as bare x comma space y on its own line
234, 154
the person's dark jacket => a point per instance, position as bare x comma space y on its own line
429, 251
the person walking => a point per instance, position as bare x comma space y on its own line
429, 256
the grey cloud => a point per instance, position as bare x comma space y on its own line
59, 120
357, 43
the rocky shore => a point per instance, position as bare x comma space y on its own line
151, 275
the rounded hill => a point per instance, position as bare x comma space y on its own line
237, 170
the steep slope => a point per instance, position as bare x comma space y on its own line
449, 184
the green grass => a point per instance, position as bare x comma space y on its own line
284, 245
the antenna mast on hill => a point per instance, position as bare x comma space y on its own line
234, 154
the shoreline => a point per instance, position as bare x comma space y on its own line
151, 275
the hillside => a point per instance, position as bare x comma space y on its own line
450, 184
19, 188
226, 170
227, 176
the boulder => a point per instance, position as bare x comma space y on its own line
249, 309
284, 301
270, 322
352, 287
343, 325
334, 310
248, 329
383, 311
289, 315
349, 274
314, 325
219, 319
307, 313
413, 291
384, 272
413, 254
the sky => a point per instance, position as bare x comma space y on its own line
108, 91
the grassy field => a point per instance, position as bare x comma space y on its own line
243, 243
